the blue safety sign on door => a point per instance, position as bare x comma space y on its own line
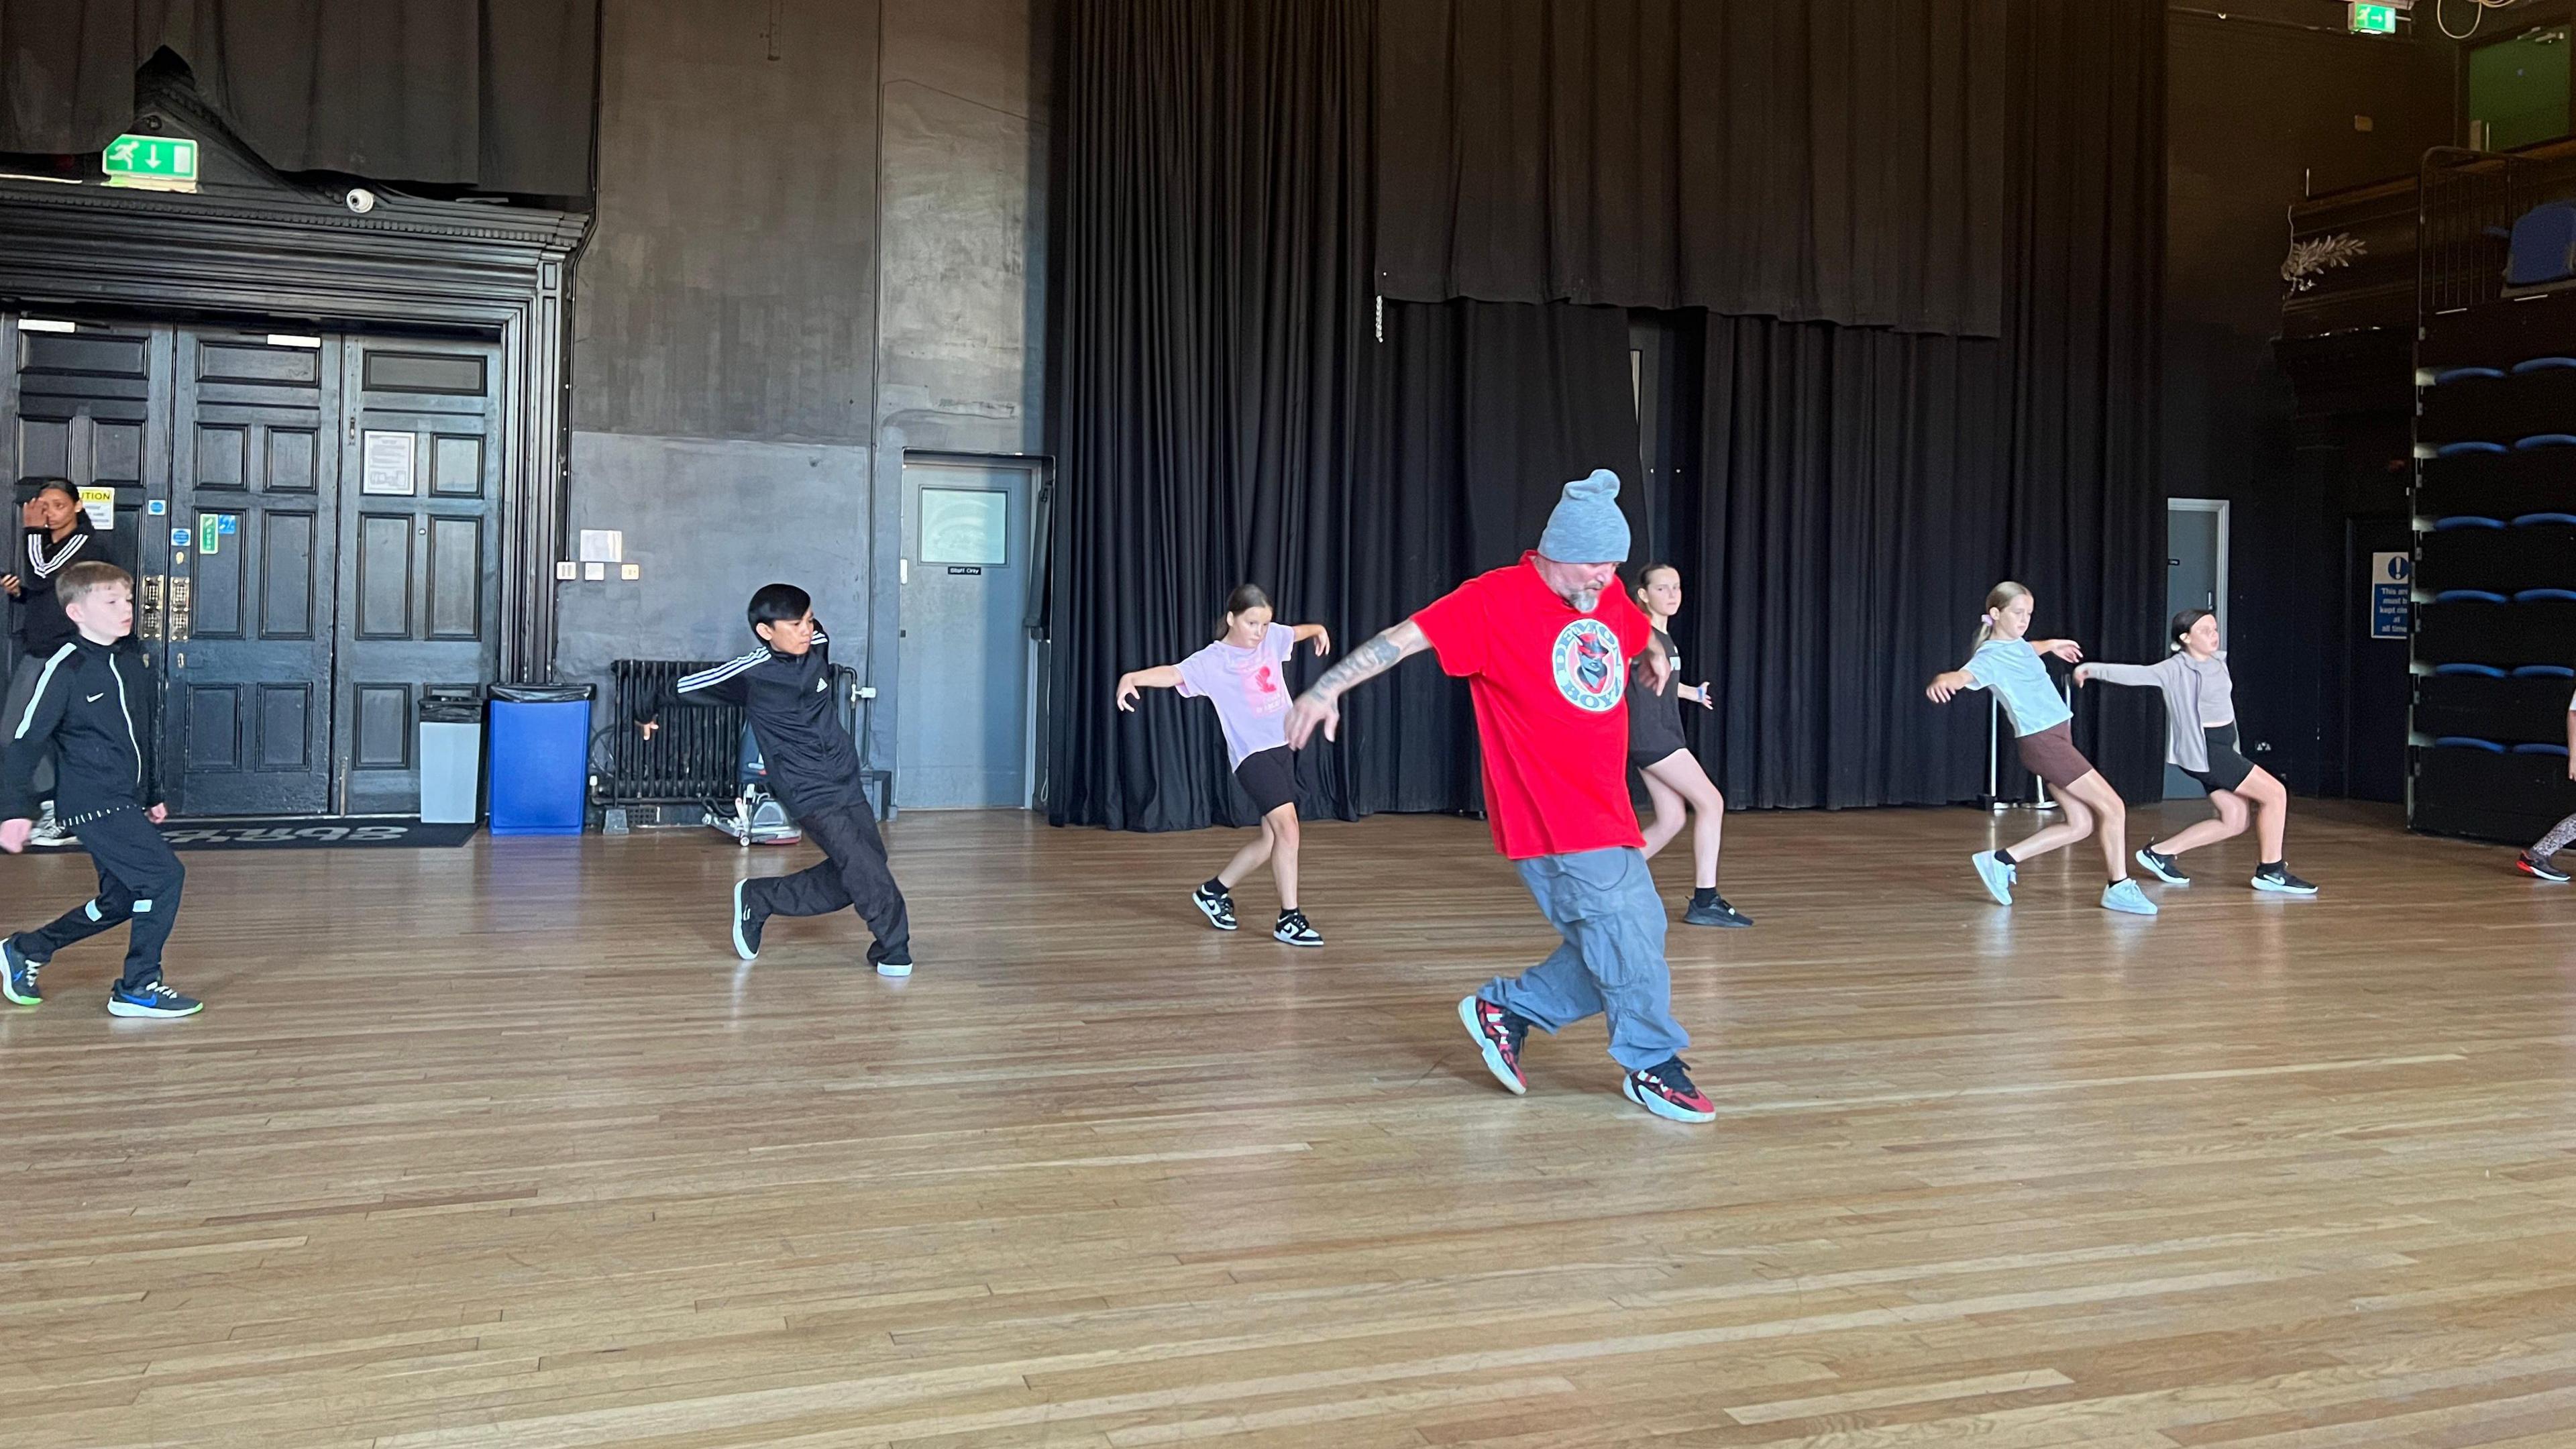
2391, 582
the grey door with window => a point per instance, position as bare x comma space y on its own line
962, 723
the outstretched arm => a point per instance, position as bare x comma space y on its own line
2066, 649
1161, 676
1322, 636
1948, 683
2136, 674
1321, 705
724, 684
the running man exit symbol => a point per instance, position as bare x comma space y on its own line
158, 162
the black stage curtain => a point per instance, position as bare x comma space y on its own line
1227, 412
1863, 488
1786, 158
496, 94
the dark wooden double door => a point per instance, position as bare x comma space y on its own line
314, 527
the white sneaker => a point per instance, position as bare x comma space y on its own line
2124, 896
49, 834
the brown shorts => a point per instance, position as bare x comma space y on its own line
2052, 756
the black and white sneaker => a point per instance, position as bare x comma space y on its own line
2162, 867
747, 922
2277, 879
2539, 869
1218, 908
1292, 930
1715, 912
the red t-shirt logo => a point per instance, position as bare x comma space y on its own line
1588, 671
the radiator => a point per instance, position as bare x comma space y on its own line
693, 756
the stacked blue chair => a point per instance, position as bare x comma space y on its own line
2493, 626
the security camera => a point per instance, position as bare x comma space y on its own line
361, 200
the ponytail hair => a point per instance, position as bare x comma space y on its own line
2183, 623
1244, 599
1998, 599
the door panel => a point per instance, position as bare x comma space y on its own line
249, 624
961, 740
293, 653
420, 461
85, 413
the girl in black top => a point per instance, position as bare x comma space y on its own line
1674, 779
54, 534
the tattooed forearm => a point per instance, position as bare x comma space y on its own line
1371, 659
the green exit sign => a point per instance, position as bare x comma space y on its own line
2374, 19
162, 163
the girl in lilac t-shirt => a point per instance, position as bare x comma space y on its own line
1245, 675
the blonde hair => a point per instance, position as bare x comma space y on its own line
1998, 599
84, 579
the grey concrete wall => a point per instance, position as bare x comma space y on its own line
961, 304
729, 288
710, 520
801, 266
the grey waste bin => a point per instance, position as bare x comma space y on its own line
451, 755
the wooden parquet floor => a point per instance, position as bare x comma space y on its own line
500, 1147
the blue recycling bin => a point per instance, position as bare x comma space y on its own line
540, 758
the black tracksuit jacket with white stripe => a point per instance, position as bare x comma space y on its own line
93, 708
813, 764
42, 627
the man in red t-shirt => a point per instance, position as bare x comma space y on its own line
1544, 646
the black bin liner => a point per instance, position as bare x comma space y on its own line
451, 704
543, 693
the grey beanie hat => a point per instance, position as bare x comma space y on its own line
1587, 526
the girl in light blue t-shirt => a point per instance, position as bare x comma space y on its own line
2007, 662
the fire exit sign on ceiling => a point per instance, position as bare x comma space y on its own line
164, 163
2374, 19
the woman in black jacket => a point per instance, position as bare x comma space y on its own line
54, 535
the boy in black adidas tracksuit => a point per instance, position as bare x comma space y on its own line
787, 685
93, 708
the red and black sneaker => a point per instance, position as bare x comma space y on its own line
1498, 1035
1666, 1091
2539, 869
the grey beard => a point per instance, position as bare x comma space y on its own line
1585, 600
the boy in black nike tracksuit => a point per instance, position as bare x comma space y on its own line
787, 685
92, 707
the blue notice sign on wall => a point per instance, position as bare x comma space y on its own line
2391, 581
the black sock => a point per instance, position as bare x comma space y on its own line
2273, 867
2004, 857
1705, 895
1286, 911
1214, 887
